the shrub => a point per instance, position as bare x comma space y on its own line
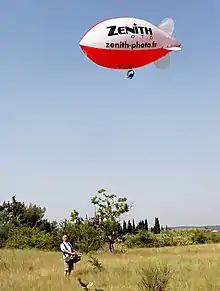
3, 235
171, 238
215, 237
201, 236
27, 237
164, 240
154, 277
141, 239
83, 235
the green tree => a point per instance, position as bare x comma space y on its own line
75, 218
140, 225
120, 229
130, 229
34, 214
156, 229
83, 233
133, 227
146, 225
47, 226
12, 213
16, 213
109, 209
124, 227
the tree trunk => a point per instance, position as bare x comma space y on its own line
111, 246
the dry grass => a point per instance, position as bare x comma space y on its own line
192, 268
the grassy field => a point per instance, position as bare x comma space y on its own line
192, 268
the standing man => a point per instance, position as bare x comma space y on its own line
68, 255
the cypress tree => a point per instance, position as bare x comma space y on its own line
156, 226
146, 225
120, 230
129, 228
124, 227
140, 225
133, 227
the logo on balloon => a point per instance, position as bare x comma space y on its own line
134, 30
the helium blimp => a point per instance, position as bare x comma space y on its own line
126, 43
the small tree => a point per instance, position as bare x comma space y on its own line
109, 209
82, 232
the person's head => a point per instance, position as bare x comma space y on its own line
65, 238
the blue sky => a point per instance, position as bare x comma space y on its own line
69, 127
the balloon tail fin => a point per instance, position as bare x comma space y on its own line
163, 63
167, 25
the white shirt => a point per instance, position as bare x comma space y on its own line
66, 246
